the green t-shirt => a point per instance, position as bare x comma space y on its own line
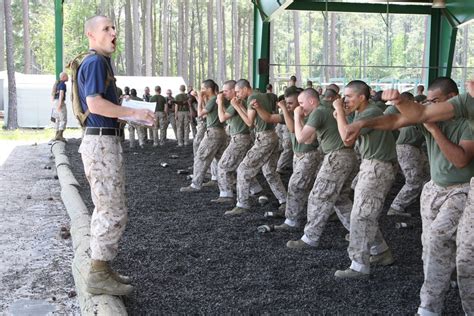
212, 118
323, 121
160, 102
297, 147
381, 105
463, 107
303, 148
443, 172
182, 102
409, 135
263, 100
236, 124
375, 144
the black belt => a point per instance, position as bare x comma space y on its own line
105, 131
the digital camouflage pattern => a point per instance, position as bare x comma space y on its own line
104, 169
263, 155
441, 209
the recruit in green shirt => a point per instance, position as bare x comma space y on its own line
298, 147
375, 144
323, 121
236, 124
212, 118
443, 172
160, 102
464, 107
264, 102
182, 102
409, 135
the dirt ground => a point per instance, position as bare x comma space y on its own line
186, 257
35, 261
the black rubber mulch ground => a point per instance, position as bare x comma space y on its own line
186, 257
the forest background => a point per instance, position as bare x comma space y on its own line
199, 39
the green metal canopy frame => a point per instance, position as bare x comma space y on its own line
442, 36
444, 24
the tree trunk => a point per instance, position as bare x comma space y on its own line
210, 41
310, 46
332, 45
153, 40
166, 43
296, 29
179, 46
220, 44
148, 37
237, 48
137, 61
103, 7
130, 71
201, 40
185, 45
192, 51
245, 35
271, 74
2, 37
26, 37
12, 122
325, 69
250, 50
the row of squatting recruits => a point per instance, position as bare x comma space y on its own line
329, 137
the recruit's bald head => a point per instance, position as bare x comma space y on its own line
91, 23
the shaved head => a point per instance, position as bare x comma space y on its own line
92, 23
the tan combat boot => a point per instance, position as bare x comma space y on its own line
59, 136
56, 136
119, 277
101, 280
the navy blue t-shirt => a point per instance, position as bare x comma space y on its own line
61, 86
91, 81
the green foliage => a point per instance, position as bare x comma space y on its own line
360, 40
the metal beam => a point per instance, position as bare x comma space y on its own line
442, 39
58, 32
358, 7
261, 49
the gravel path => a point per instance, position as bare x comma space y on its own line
35, 261
185, 257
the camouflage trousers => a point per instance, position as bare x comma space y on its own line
212, 146
285, 160
193, 125
331, 192
465, 254
441, 208
414, 165
230, 161
305, 168
375, 180
160, 124
61, 116
182, 126
141, 130
104, 169
201, 130
172, 121
263, 155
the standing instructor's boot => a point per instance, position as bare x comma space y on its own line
101, 280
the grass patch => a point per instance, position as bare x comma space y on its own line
33, 134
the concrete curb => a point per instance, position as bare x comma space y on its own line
80, 232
